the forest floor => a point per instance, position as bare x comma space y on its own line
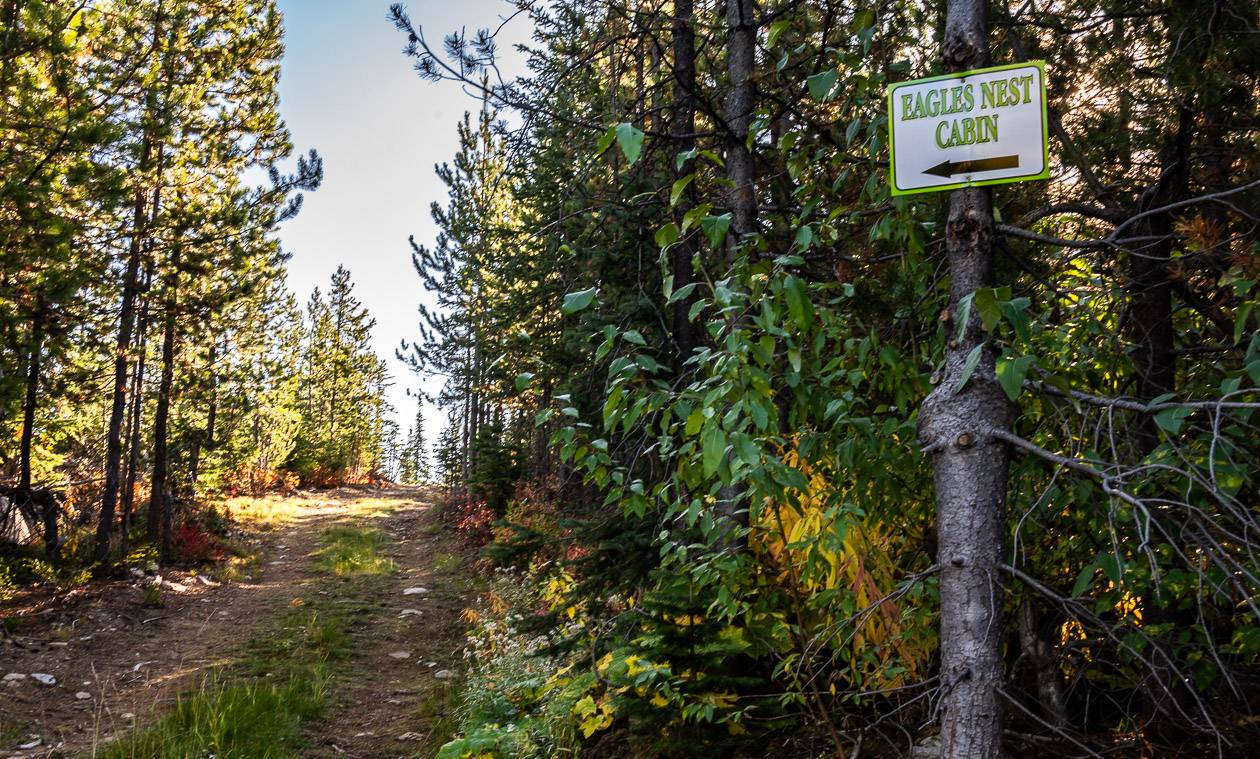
324, 603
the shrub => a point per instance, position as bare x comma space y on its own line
194, 544
474, 519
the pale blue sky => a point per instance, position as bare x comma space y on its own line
347, 91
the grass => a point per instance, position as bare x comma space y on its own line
446, 562
353, 551
258, 706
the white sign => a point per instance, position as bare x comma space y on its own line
981, 127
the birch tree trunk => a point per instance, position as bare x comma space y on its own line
969, 465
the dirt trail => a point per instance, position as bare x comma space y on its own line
116, 661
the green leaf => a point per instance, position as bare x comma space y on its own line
715, 228
799, 306
987, 306
1084, 580
1240, 321
630, 140
683, 157
633, 336
667, 235
821, 84
606, 140
1016, 312
1011, 374
804, 237
522, 381
776, 29
850, 132
1171, 419
574, 302
676, 191
714, 448
681, 293
969, 367
794, 359
963, 314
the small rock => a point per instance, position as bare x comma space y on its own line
409, 613
178, 587
83, 695
411, 737
416, 591
14, 677
400, 655
444, 674
431, 664
44, 679
208, 582
32, 741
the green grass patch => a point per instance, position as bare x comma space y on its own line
446, 562
258, 706
353, 551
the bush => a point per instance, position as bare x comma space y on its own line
194, 544
474, 519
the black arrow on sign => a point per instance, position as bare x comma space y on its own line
950, 168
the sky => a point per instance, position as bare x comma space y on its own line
347, 90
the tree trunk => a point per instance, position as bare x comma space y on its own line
969, 465
740, 59
159, 517
32, 393
682, 130
137, 412
206, 436
1151, 306
1043, 664
126, 321
48, 505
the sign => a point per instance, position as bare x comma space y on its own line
981, 127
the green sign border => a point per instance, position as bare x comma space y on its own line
1045, 140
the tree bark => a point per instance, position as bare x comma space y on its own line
159, 517
740, 60
682, 131
32, 393
126, 322
206, 436
969, 465
1151, 305
741, 49
137, 412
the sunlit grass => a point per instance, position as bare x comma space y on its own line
257, 708
274, 510
267, 512
352, 551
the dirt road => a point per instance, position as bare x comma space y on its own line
116, 662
